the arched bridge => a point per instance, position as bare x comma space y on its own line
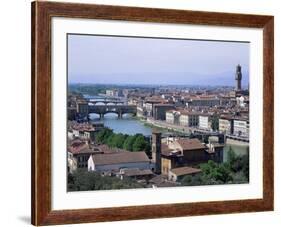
106, 102
118, 109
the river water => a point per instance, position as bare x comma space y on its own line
126, 125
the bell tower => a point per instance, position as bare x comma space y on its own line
238, 77
156, 151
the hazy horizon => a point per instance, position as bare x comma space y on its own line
127, 60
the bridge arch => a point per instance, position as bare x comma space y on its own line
118, 109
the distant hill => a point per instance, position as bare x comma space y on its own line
167, 78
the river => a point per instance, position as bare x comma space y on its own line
126, 125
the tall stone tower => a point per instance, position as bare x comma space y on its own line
156, 151
238, 77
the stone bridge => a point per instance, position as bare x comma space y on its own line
118, 109
106, 102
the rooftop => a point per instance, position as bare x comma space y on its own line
190, 144
164, 104
166, 151
122, 157
185, 170
84, 150
136, 172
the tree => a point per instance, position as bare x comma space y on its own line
139, 144
82, 180
128, 143
238, 163
215, 123
103, 135
215, 173
231, 156
191, 180
109, 140
118, 140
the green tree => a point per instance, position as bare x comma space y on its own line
118, 140
214, 173
140, 144
192, 180
103, 135
82, 180
231, 156
215, 123
128, 143
109, 140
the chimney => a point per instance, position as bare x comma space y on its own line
156, 151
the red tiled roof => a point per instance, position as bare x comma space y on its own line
165, 150
122, 157
185, 170
191, 144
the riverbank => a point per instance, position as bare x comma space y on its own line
167, 126
163, 128
236, 143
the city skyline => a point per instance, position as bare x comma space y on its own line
138, 61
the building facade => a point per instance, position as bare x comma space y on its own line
226, 125
119, 160
159, 111
173, 117
205, 122
189, 119
241, 127
202, 101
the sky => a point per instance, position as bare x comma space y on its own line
136, 60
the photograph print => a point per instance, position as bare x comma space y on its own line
146, 112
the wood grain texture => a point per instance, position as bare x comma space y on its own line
42, 12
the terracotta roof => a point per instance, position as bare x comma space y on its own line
77, 147
164, 104
85, 150
186, 112
185, 170
155, 101
137, 172
205, 114
106, 149
162, 181
205, 98
122, 157
190, 144
226, 117
165, 150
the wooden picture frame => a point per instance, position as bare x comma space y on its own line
42, 12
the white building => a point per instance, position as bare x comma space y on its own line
205, 122
241, 127
189, 119
117, 161
172, 117
226, 124
241, 101
113, 93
